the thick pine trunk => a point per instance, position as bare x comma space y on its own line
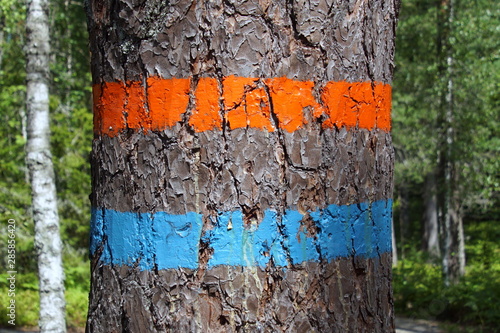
242, 166
39, 161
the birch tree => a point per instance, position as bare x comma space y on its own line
242, 166
38, 159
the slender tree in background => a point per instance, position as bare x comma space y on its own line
449, 201
2, 24
39, 161
430, 240
242, 166
415, 108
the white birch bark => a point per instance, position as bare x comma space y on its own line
38, 158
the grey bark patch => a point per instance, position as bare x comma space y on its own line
241, 170
304, 40
312, 297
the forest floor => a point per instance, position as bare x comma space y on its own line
410, 325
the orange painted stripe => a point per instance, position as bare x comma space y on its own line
136, 114
167, 101
206, 115
365, 104
242, 102
246, 104
290, 97
109, 104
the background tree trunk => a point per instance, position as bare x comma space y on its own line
404, 215
2, 25
451, 221
242, 166
394, 247
430, 241
39, 162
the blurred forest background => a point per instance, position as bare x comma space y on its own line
446, 112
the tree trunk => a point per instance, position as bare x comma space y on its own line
430, 240
39, 161
394, 247
242, 166
453, 243
404, 215
2, 27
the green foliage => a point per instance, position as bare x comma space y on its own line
477, 49
418, 286
27, 304
77, 286
76, 269
14, 193
475, 301
27, 298
71, 119
76, 307
415, 93
474, 39
77, 283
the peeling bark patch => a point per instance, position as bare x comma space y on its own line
247, 102
164, 241
177, 171
338, 296
312, 40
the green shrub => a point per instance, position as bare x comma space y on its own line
76, 307
26, 300
77, 284
419, 290
418, 287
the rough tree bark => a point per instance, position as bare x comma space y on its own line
39, 161
242, 166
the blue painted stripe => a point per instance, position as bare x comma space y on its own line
164, 240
